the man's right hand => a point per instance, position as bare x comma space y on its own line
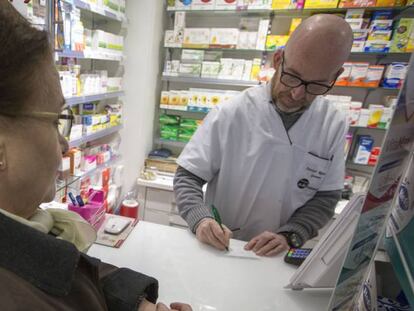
208, 231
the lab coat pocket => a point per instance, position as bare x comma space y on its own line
308, 178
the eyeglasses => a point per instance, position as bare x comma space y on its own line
64, 119
293, 81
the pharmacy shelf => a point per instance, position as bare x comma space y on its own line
350, 163
90, 55
170, 143
199, 80
367, 128
61, 184
365, 88
272, 51
184, 112
94, 136
76, 100
286, 12
89, 7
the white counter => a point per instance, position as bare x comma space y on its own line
202, 276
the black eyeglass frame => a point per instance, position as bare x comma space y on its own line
303, 82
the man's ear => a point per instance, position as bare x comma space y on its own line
277, 59
3, 156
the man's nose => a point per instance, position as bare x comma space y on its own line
299, 92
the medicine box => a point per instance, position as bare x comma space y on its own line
203, 4
262, 34
395, 75
224, 37
210, 69
377, 46
183, 4
226, 4
363, 149
196, 37
344, 77
358, 74
193, 70
192, 56
374, 76
402, 35
321, 4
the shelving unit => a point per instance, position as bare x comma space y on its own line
61, 184
89, 55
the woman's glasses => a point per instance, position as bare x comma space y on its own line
64, 119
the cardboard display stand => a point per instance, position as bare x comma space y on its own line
377, 207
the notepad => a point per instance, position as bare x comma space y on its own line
239, 252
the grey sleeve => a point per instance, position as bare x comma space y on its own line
316, 213
188, 190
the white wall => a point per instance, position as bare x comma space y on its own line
142, 81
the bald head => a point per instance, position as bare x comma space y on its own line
315, 52
322, 39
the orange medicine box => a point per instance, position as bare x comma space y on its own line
344, 77
358, 73
374, 76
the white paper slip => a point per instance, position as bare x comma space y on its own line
238, 251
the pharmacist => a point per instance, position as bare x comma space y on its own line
273, 156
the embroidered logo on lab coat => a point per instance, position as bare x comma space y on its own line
303, 183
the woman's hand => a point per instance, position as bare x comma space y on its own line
176, 306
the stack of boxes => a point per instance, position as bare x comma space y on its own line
195, 100
210, 64
175, 128
362, 74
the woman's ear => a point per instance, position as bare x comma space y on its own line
3, 157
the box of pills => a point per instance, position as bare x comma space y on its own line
344, 77
358, 74
203, 4
191, 70
375, 114
196, 37
374, 76
226, 68
262, 34
259, 4
210, 69
183, 4
402, 35
358, 46
192, 56
238, 69
363, 149
226, 4
224, 37
247, 70
377, 46
394, 75
321, 4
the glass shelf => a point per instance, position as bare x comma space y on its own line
285, 12
94, 136
75, 100
89, 55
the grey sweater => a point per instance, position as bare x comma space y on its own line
305, 221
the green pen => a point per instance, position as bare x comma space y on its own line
218, 219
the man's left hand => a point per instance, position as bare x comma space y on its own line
267, 244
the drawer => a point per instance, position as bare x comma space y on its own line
157, 217
160, 200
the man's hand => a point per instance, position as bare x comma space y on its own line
209, 232
267, 244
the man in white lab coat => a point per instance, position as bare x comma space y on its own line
273, 156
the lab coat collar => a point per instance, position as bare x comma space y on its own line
44, 261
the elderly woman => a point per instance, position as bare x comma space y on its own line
41, 263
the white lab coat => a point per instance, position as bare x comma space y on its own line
258, 175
